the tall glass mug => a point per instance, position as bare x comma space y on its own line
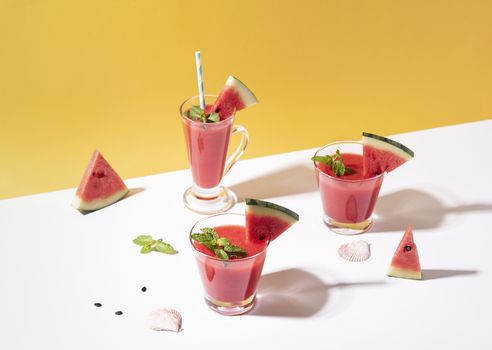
347, 203
229, 285
207, 145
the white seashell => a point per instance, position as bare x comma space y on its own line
165, 320
355, 251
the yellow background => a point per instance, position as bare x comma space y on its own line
79, 75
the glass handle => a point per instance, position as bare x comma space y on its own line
241, 148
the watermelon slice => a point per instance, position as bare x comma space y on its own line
265, 220
405, 263
100, 185
233, 97
382, 154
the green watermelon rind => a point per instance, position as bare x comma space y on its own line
248, 98
259, 207
384, 143
99, 203
404, 273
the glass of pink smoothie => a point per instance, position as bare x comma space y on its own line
229, 285
348, 201
207, 145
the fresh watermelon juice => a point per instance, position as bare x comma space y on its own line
230, 285
207, 145
348, 201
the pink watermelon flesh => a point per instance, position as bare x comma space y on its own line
208, 110
260, 228
266, 221
100, 185
377, 161
235, 96
228, 102
405, 262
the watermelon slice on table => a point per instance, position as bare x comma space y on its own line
405, 262
382, 154
100, 185
266, 220
233, 97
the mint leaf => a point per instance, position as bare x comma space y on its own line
165, 248
234, 250
223, 242
214, 117
210, 231
335, 162
149, 244
143, 240
207, 239
338, 168
200, 237
221, 254
203, 238
146, 249
322, 159
196, 113
221, 246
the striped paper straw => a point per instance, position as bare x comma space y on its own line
200, 79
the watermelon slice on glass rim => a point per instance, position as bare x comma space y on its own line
381, 154
100, 185
266, 220
234, 96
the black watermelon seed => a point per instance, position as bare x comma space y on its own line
408, 248
118, 313
97, 304
144, 289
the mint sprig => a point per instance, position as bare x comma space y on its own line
149, 244
335, 162
221, 246
198, 114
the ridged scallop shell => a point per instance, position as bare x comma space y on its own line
165, 320
355, 251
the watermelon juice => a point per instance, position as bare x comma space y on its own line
348, 201
230, 285
207, 146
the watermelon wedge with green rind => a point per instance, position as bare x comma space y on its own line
266, 220
405, 262
100, 185
381, 154
234, 96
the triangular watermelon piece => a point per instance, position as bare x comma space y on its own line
100, 185
381, 154
234, 96
266, 220
405, 262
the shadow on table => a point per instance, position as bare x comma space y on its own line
417, 208
131, 192
428, 274
286, 181
295, 293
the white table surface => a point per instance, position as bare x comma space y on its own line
55, 263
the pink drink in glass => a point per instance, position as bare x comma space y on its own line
348, 200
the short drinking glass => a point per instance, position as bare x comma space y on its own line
229, 285
348, 201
